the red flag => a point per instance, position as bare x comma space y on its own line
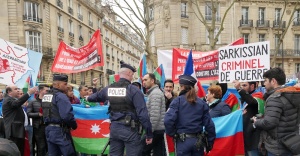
201, 92
238, 42
26, 145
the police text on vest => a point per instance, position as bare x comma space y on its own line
116, 91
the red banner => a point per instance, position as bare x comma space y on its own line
205, 64
74, 60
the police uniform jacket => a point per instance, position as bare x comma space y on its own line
183, 117
14, 117
136, 97
62, 105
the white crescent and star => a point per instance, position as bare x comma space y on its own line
96, 128
108, 121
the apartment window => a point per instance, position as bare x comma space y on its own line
106, 49
99, 23
297, 17
261, 15
70, 3
33, 40
107, 63
261, 37
151, 13
276, 40
246, 38
277, 15
152, 38
79, 9
73, 78
60, 21
106, 33
71, 30
245, 15
31, 12
279, 65
297, 44
82, 77
90, 17
184, 35
215, 33
80, 30
90, 35
184, 10
209, 13
297, 65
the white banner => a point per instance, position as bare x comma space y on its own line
165, 57
246, 62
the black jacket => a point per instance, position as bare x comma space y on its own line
218, 109
14, 117
33, 110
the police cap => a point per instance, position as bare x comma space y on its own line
187, 80
60, 77
124, 65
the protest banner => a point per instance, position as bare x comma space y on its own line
205, 64
245, 63
17, 63
74, 60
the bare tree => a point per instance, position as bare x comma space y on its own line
140, 11
282, 30
210, 22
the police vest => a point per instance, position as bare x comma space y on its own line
117, 96
49, 109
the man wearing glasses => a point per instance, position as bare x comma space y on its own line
34, 112
252, 104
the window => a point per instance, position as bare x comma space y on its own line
90, 35
73, 78
297, 17
278, 65
246, 38
184, 9
297, 65
107, 50
152, 38
107, 65
90, 17
276, 40
80, 30
245, 16
209, 13
99, 23
277, 16
70, 3
261, 37
60, 21
79, 9
71, 30
33, 41
82, 77
106, 33
31, 12
151, 13
261, 16
215, 33
184, 35
297, 44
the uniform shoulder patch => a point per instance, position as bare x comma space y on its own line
47, 98
120, 92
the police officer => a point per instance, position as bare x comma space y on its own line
127, 109
185, 119
59, 118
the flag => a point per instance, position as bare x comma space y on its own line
92, 131
200, 92
259, 97
170, 146
189, 67
230, 99
229, 135
238, 42
142, 70
113, 78
28, 84
160, 75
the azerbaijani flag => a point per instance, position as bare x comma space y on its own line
160, 75
92, 132
229, 130
258, 96
142, 70
28, 84
230, 99
113, 78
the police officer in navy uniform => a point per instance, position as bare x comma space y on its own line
59, 118
127, 109
187, 118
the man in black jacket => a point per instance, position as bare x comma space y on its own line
169, 94
34, 112
14, 116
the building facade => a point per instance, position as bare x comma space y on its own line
40, 25
175, 24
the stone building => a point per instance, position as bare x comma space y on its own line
175, 24
40, 25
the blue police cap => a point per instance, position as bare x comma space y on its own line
187, 80
124, 65
60, 77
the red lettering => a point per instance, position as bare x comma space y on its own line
259, 66
229, 66
224, 63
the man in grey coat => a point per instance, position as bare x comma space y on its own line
155, 101
280, 118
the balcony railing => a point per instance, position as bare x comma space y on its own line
80, 16
46, 51
107, 55
80, 38
246, 23
113, 58
112, 42
278, 24
106, 38
184, 15
70, 10
60, 29
110, 72
59, 4
262, 23
90, 23
286, 52
71, 34
296, 22
209, 18
32, 18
